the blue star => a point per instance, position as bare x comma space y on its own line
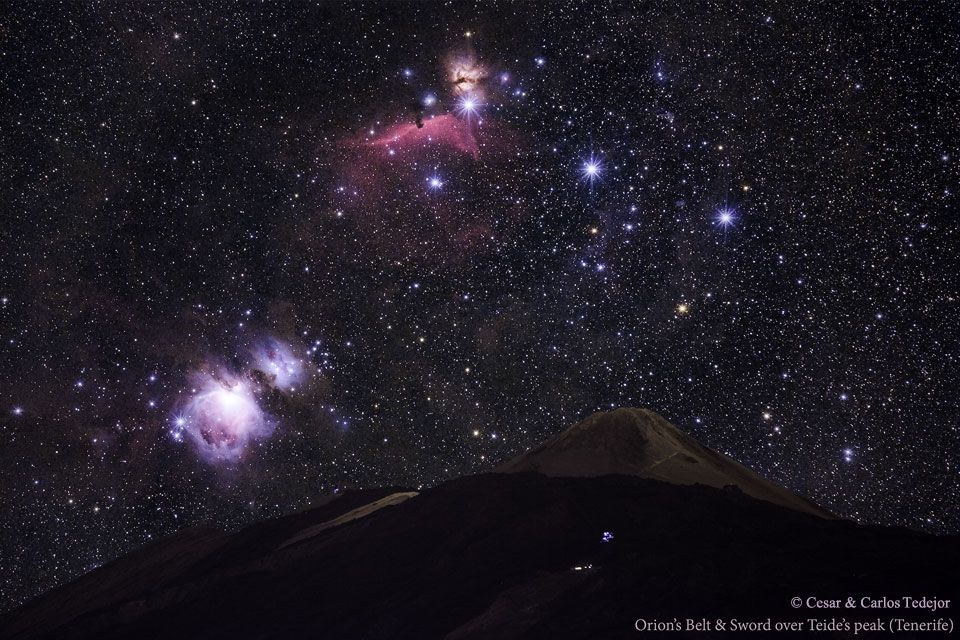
592, 168
468, 106
726, 216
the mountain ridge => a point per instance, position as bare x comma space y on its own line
520, 554
639, 442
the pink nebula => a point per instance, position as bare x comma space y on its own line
466, 74
407, 192
222, 418
441, 133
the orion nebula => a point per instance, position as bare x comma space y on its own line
222, 417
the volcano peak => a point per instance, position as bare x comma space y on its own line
639, 442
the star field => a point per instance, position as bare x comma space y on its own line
254, 255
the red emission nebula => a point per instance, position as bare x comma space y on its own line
411, 190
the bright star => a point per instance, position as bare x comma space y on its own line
434, 182
468, 106
726, 216
592, 168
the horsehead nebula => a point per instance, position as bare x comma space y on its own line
442, 133
425, 187
222, 417
410, 192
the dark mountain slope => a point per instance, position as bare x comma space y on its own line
518, 555
639, 442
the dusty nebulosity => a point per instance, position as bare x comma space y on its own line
406, 191
466, 74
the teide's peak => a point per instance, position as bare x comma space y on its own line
638, 442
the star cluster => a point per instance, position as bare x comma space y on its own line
257, 254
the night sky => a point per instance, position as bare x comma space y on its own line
254, 255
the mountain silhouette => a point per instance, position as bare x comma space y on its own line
622, 517
638, 442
